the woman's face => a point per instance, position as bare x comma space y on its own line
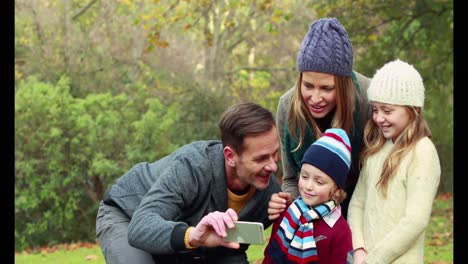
319, 93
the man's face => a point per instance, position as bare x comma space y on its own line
258, 160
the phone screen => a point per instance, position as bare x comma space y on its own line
246, 233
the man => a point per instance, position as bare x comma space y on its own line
176, 209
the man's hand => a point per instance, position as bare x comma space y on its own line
212, 229
278, 203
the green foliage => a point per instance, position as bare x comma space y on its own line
82, 145
99, 50
78, 147
255, 86
154, 133
200, 109
42, 163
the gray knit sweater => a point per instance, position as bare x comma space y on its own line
164, 197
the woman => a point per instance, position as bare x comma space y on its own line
328, 94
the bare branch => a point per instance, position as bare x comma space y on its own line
82, 11
265, 69
38, 27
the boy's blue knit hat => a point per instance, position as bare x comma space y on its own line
331, 153
326, 48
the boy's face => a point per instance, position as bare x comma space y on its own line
315, 186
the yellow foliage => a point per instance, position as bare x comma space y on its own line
372, 37
163, 44
23, 41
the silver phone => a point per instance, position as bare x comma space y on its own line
246, 233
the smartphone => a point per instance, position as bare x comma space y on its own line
246, 233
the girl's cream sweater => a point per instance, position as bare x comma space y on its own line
392, 229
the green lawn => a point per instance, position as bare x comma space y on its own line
438, 249
75, 256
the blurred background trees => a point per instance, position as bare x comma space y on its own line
102, 85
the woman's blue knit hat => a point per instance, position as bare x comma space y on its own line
331, 153
326, 48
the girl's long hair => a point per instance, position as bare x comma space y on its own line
299, 115
405, 142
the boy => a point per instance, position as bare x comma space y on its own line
313, 229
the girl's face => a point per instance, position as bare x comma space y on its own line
315, 186
319, 93
391, 119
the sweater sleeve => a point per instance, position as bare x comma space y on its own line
356, 210
423, 176
274, 228
152, 228
365, 110
289, 177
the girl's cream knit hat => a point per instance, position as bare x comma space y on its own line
397, 83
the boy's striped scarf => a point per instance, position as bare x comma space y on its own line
294, 240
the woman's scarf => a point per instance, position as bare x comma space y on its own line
294, 240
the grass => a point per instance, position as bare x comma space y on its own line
63, 254
438, 243
438, 247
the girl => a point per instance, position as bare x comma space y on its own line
391, 205
327, 94
312, 230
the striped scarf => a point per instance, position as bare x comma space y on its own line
294, 240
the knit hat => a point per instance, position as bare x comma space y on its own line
397, 83
331, 153
326, 48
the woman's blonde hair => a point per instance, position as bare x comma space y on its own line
405, 142
299, 115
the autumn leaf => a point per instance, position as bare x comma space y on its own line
91, 257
